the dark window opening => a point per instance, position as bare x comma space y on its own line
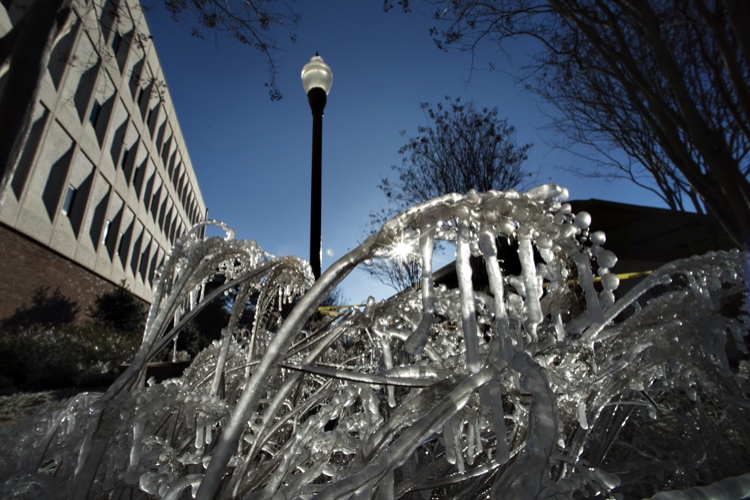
136, 173
134, 259
152, 267
121, 246
125, 154
105, 232
116, 42
155, 203
98, 221
53, 191
70, 198
96, 110
143, 268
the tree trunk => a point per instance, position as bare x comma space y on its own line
26, 47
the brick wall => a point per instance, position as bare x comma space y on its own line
37, 284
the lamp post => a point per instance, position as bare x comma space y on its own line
317, 79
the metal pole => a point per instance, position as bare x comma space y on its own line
317, 99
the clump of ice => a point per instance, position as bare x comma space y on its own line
540, 385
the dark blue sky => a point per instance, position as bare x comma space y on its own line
252, 156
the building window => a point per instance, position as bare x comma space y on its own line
96, 110
121, 246
116, 41
70, 197
136, 174
141, 93
105, 232
124, 157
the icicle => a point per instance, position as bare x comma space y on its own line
450, 451
456, 423
385, 344
466, 288
470, 443
175, 490
193, 296
209, 432
200, 429
131, 474
478, 430
452, 431
416, 342
495, 276
582, 415
532, 285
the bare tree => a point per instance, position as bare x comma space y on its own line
25, 53
665, 82
461, 148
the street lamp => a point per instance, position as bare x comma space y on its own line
317, 79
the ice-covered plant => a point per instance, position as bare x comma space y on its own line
540, 386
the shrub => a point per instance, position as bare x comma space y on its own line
57, 356
119, 310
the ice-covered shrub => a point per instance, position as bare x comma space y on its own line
528, 390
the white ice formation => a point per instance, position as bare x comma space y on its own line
539, 385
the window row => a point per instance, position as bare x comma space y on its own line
111, 223
150, 189
70, 183
93, 210
105, 110
95, 96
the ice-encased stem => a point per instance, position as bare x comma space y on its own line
530, 471
492, 393
416, 342
385, 345
176, 488
227, 442
731, 487
403, 416
226, 335
267, 426
466, 290
411, 438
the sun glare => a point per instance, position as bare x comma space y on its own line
401, 250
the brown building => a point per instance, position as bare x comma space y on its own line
644, 238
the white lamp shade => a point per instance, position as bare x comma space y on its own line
316, 73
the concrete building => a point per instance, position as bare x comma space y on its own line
105, 184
